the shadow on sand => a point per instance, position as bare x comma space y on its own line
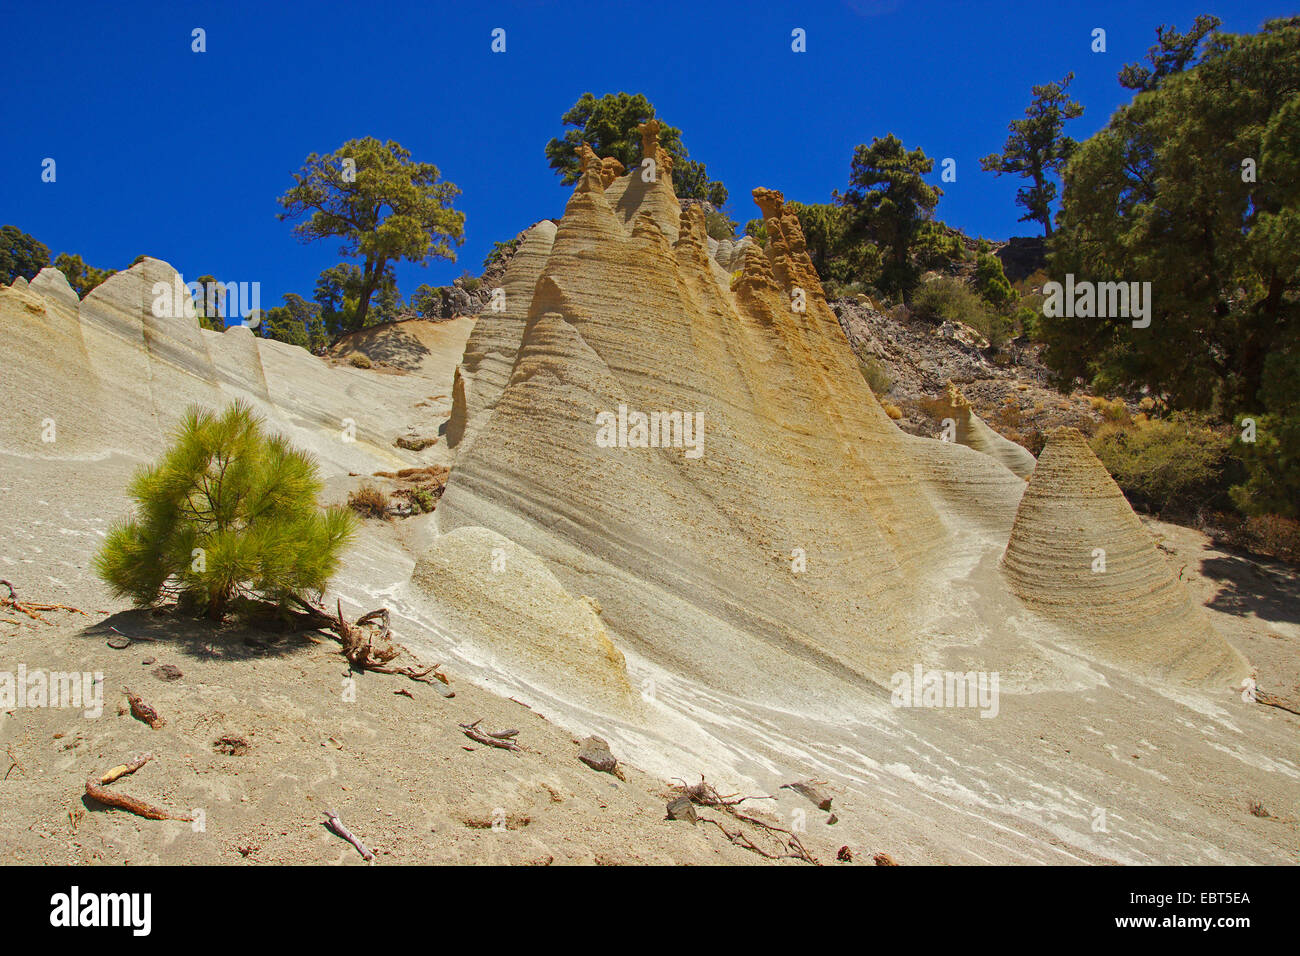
1268, 589
167, 628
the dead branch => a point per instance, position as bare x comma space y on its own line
1273, 700
31, 608
368, 644
97, 789
142, 711
503, 739
706, 795
334, 823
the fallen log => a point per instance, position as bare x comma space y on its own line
97, 789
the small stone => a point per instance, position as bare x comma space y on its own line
415, 442
596, 755
147, 661
682, 809
119, 643
167, 672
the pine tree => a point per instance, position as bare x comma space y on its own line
1038, 149
228, 511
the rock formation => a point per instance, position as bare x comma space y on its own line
1079, 554
114, 372
972, 432
808, 520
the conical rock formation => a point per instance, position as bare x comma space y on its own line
972, 432
1080, 555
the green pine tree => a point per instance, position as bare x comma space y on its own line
1038, 149
228, 511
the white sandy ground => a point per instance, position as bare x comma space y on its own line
1173, 770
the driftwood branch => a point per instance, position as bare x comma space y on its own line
368, 644
97, 789
504, 739
335, 824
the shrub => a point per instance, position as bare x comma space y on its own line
501, 252
1180, 464
228, 511
360, 361
893, 411
992, 282
1110, 410
425, 499
877, 376
949, 300
719, 225
368, 501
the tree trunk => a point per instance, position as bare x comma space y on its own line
370, 276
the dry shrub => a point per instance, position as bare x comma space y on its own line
1110, 411
368, 501
1270, 535
360, 361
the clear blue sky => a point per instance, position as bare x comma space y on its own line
181, 155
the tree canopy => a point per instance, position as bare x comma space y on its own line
20, 255
888, 203
1195, 187
1038, 149
382, 205
609, 125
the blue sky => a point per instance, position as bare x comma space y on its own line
181, 155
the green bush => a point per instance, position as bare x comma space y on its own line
227, 512
501, 251
877, 376
1180, 464
719, 225
950, 300
991, 281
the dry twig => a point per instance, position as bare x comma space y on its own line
1273, 700
30, 608
97, 789
503, 739
791, 848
